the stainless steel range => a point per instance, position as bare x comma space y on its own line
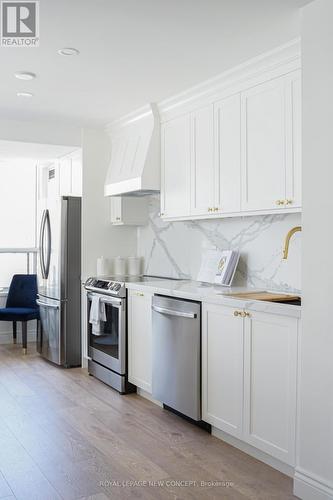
107, 337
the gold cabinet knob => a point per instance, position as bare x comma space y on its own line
288, 202
242, 314
209, 209
279, 202
140, 294
162, 214
216, 209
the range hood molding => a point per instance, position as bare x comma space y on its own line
135, 163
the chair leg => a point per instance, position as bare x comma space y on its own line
14, 332
24, 336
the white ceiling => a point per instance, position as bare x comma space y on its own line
135, 51
11, 150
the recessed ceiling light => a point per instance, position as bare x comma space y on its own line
68, 51
24, 94
25, 75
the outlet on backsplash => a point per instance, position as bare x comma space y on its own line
175, 248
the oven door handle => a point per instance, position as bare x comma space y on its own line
112, 302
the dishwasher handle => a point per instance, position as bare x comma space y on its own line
172, 312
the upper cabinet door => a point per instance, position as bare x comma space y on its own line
294, 135
227, 154
116, 210
264, 146
77, 174
202, 163
176, 153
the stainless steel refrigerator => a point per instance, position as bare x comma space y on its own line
59, 285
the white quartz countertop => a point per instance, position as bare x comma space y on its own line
214, 294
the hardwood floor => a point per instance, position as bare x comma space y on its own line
66, 435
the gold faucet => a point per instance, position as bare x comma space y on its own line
289, 235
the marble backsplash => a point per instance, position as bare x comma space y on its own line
175, 249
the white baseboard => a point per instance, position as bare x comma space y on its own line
148, 396
309, 486
254, 452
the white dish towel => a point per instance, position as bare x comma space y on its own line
97, 314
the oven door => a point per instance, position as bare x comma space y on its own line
108, 347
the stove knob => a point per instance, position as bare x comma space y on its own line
117, 287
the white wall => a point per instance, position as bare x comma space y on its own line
314, 473
98, 236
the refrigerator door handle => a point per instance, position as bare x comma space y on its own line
48, 258
41, 245
44, 304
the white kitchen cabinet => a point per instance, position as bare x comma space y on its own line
76, 173
270, 158
176, 156
270, 384
294, 170
249, 377
222, 369
202, 161
70, 175
128, 210
227, 143
140, 339
48, 181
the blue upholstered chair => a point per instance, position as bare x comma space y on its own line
21, 304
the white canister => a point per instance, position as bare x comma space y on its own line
134, 266
103, 266
120, 266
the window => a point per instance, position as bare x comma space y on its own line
17, 214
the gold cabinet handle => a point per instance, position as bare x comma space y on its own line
139, 294
238, 313
288, 202
209, 209
216, 209
117, 218
279, 202
242, 314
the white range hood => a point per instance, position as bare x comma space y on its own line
134, 168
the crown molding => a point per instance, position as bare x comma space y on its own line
281, 60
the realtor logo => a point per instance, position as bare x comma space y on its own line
20, 23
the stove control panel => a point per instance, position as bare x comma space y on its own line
109, 287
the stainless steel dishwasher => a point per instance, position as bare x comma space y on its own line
176, 354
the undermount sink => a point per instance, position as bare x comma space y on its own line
280, 298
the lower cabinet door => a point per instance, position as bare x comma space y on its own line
271, 384
140, 339
222, 368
